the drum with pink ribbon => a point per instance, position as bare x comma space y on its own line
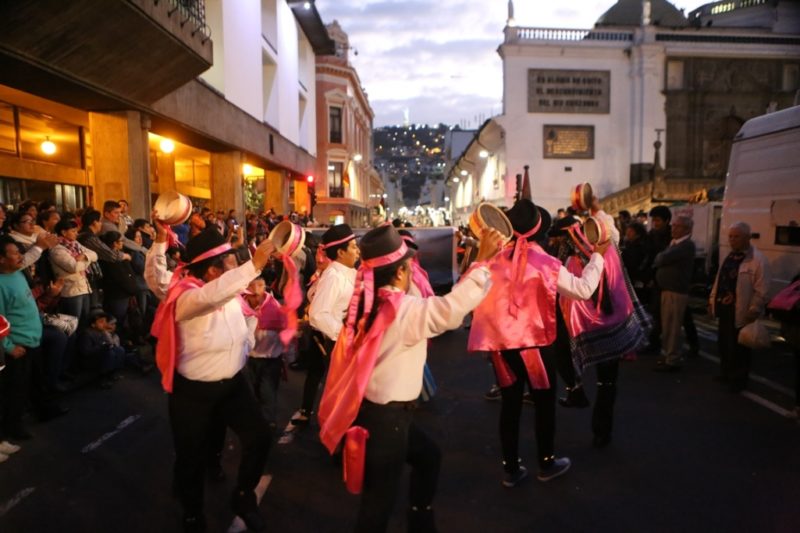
581, 197
488, 216
173, 208
288, 238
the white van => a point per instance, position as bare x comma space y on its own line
763, 189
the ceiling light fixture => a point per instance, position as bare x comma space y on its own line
48, 146
167, 146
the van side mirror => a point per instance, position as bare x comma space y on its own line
755, 235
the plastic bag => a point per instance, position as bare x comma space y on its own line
755, 335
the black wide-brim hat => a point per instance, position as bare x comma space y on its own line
204, 241
560, 225
410, 241
382, 241
336, 233
524, 215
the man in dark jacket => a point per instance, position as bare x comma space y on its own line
674, 277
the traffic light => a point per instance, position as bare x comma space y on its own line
312, 193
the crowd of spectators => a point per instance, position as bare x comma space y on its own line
73, 290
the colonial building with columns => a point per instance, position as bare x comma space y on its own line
590, 104
127, 98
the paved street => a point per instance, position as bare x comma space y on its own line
686, 456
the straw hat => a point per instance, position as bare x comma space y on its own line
288, 238
173, 207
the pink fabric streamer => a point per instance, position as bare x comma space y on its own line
519, 261
351, 367
420, 278
533, 364
292, 298
165, 328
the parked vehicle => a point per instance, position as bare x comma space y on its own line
763, 190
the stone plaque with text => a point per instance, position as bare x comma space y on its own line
568, 91
568, 142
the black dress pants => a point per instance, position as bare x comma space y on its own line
734, 358
317, 365
511, 409
603, 412
394, 439
194, 408
16, 386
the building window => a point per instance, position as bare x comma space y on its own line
8, 131
335, 183
40, 137
674, 75
791, 77
335, 124
66, 197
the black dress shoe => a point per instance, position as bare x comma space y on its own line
52, 411
666, 367
575, 398
19, 433
601, 441
245, 506
194, 524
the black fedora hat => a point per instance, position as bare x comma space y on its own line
525, 215
381, 242
409, 238
560, 225
206, 240
336, 233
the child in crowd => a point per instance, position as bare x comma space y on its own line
101, 348
265, 366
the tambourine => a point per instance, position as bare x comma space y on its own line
173, 208
596, 231
288, 238
581, 197
489, 216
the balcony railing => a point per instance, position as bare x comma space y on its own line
515, 34
192, 12
335, 192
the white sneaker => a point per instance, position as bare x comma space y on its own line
3, 458
6, 448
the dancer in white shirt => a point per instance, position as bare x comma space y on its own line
327, 309
203, 341
376, 374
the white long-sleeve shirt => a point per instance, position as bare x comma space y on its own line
581, 288
156, 274
331, 299
397, 376
213, 336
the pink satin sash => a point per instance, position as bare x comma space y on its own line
351, 367
165, 328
